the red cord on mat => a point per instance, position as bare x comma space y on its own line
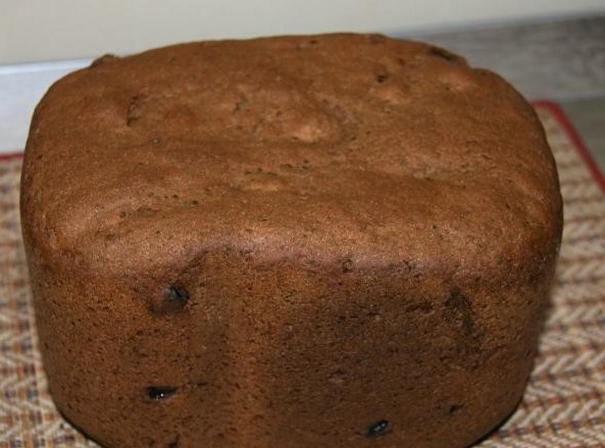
577, 141
11, 155
553, 107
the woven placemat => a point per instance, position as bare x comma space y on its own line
564, 405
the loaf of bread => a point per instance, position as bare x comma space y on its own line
316, 241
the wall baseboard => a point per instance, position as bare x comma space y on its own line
21, 88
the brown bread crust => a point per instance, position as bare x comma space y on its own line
314, 241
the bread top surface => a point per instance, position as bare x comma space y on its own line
330, 147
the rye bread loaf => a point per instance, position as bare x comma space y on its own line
315, 241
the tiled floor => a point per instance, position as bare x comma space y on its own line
563, 61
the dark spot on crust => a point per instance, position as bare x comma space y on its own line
443, 54
382, 78
422, 307
133, 113
458, 307
313, 42
337, 377
459, 313
347, 266
160, 392
176, 292
454, 408
379, 428
173, 300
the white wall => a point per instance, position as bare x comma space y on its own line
35, 30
